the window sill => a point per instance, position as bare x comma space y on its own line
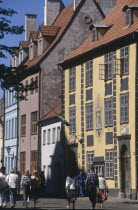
106, 126
70, 91
89, 129
87, 86
32, 134
124, 123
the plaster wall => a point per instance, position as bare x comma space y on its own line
28, 142
75, 35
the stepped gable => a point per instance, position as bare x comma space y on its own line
116, 18
61, 22
52, 113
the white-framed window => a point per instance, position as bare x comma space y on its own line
48, 136
9, 136
99, 169
108, 112
72, 119
12, 131
90, 157
72, 79
89, 73
109, 164
44, 137
89, 116
124, 108
15, 127
53, 135
124, 54
58, 134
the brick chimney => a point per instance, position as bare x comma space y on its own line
30, 24
52, 9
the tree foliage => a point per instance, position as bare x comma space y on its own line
9, 76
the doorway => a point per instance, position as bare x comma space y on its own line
125, 170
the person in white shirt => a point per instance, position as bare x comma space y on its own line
3, 185
71, 185
103, 189
13, 182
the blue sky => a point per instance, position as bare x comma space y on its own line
22, 7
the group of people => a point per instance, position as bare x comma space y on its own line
94, 185
30, 184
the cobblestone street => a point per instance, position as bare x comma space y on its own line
81, 203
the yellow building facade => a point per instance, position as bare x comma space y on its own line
100, 94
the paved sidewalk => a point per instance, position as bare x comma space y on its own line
81, 203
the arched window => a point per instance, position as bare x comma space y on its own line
36, 84
32, 87
94, 35
128, 17
26, 84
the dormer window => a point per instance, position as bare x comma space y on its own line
40, 47
128, 17
94, 35
31, 52
20, 57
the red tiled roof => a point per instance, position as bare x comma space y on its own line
53, 112
61, 22
24, 44
34, 35
49, 30
116, 18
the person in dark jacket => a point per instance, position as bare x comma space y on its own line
91, 184
81, 182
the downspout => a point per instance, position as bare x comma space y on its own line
17, 133
39, 125
136, 123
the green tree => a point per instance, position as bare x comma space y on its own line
9, 76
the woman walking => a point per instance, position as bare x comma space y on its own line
34, 187
71, 185
103, 190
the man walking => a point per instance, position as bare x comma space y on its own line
25, 185
81, 181
13, 182
92, 183
3, 186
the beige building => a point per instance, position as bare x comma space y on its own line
100, 99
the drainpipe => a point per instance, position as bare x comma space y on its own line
17, 155
136, 124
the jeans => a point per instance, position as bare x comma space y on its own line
3, 197
13, 196
81, 189
26, 193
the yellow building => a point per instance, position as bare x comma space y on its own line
100, 91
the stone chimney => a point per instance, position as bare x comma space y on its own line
30, 24
52, 9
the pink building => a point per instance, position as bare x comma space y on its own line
28, 129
